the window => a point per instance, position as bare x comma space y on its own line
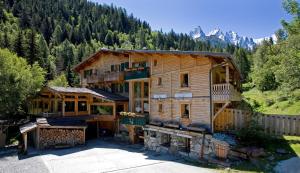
69, 106
46, 105
159, 81
82, 106
155, 62
165, 140
140, 97
185, 110
81, 97
184, 144
87, 73
160, 107
126, 87
102, 110
112, 68
40, 105
184, 80
152, 134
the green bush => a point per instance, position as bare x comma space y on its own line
269, 102
253, 135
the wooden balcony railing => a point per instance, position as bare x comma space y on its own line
137, 73
225, 92
139, 120
95, 78
114, 76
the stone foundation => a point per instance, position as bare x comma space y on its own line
51, 137
182, 143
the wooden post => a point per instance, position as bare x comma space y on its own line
25, 141
227, 73
37, 138
76, 105
63, 107
98, 135
131, 96
131, 133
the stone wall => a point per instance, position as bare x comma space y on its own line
51, 137
186, 146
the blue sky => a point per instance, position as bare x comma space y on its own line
253, 18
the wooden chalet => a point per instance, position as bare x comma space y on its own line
95, 107
166, 99
174, 89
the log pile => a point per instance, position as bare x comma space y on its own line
50, 138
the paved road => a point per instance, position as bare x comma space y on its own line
98, 156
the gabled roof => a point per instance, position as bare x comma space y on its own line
198, 54
94, 92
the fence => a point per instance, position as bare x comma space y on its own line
279, 124
233, 119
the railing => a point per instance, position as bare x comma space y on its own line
114, 76
50, 114
137, 120
225, 92
94, 78
137, 73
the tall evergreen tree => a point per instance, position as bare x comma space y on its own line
19, 44
32, 48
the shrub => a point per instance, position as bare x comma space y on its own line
253, 135
269, 102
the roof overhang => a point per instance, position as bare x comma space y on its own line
196, 54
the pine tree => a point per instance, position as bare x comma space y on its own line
109, 39
43, 51
32, 48
19, 44
57, 36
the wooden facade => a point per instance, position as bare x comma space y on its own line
169, 86
78, 102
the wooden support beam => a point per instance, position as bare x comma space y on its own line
221, 110
63, 107
98, 135
25, 141
227, 73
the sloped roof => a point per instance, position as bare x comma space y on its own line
27, 127
199, 54
61, 121
111, 96
94, 92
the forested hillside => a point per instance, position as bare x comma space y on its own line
60, 33
275, 76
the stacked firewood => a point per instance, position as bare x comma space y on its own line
60, 137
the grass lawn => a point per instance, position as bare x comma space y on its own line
266, 164
270, 102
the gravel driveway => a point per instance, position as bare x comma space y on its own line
97, 156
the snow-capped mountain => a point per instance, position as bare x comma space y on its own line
197, 33
217, 36
259, 40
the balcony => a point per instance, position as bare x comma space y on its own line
94, 78
225, 92
139, 120
114, 76
137, 73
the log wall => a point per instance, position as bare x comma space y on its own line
169, 69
